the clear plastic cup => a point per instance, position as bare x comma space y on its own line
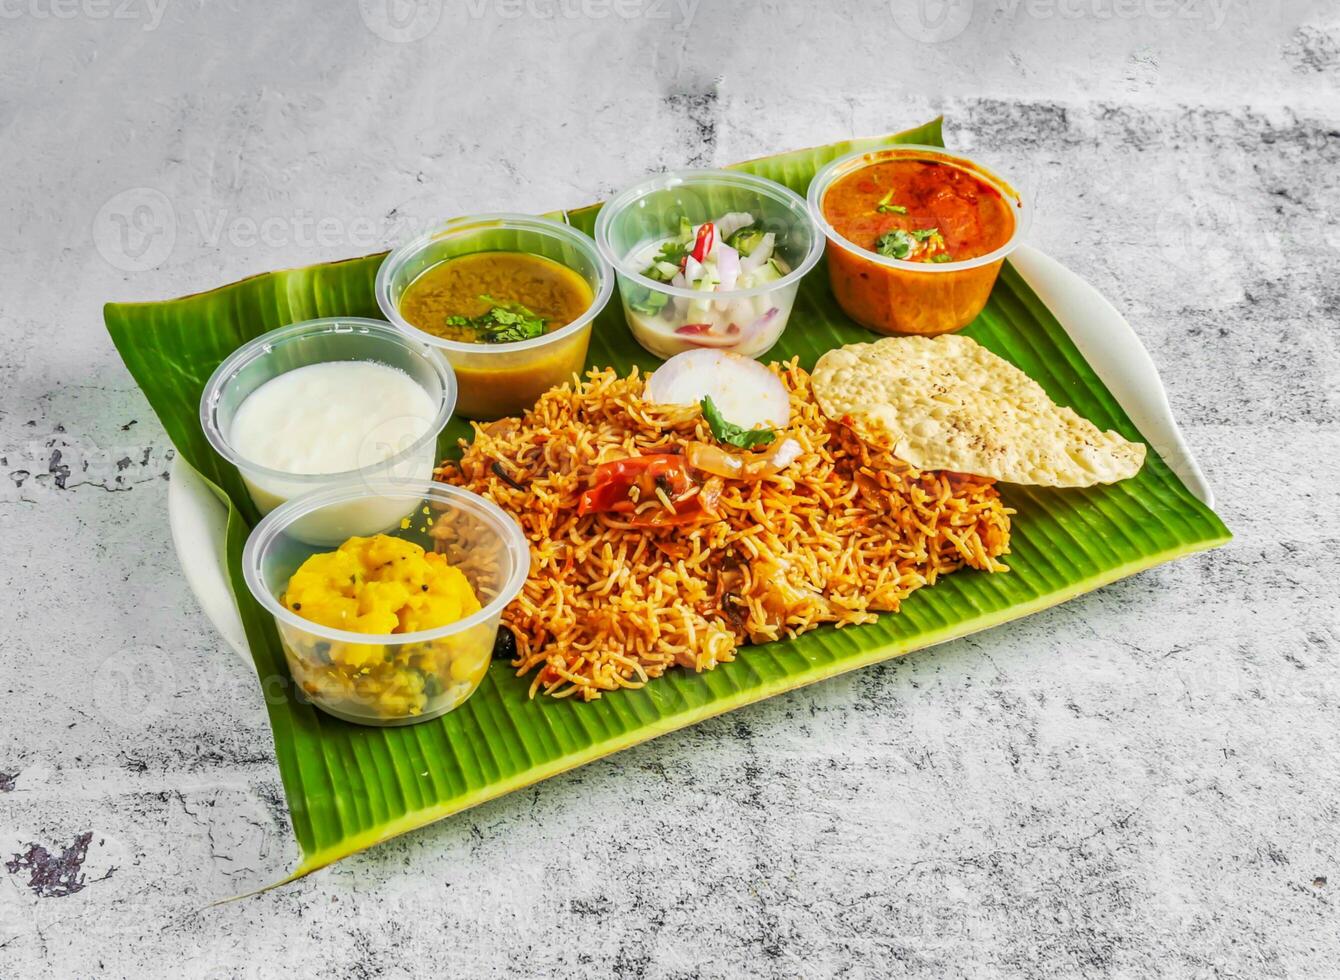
668, 319
498, 380
318, 342
391, 679
894, 296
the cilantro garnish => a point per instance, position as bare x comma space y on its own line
731, 434
672, 252
896, 244
899, 244
504, 323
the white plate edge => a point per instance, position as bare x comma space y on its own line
1114, 351
199, 524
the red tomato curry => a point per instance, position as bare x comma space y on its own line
919, 211
915, 207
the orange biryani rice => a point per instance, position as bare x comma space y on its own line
839, 534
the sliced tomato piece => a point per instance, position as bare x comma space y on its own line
613, 482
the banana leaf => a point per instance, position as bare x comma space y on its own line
349, 787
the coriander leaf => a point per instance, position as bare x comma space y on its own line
942, 257
504, 323
730, 434
896, 244
526, 330
505, 318
899, 244
671, 252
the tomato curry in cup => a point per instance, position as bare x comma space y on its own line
918, 236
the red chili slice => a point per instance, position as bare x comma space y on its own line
703, 244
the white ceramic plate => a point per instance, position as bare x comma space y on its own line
1102, 334
199, 523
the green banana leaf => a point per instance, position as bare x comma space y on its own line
349, 787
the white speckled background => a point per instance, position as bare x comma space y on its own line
1142, 782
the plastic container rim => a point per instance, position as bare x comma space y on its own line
261, 347
279, 519
843, 165
473, 224
678, 178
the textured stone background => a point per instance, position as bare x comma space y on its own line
1142, 782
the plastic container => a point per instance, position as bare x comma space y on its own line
651, 211
498, 380
317, 342
897, 297
413, 676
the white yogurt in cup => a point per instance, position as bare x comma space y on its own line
330, 401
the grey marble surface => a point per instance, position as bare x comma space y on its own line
1141, 782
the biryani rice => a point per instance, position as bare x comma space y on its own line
843, 532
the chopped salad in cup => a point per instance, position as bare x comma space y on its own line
730, 253
708, 259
